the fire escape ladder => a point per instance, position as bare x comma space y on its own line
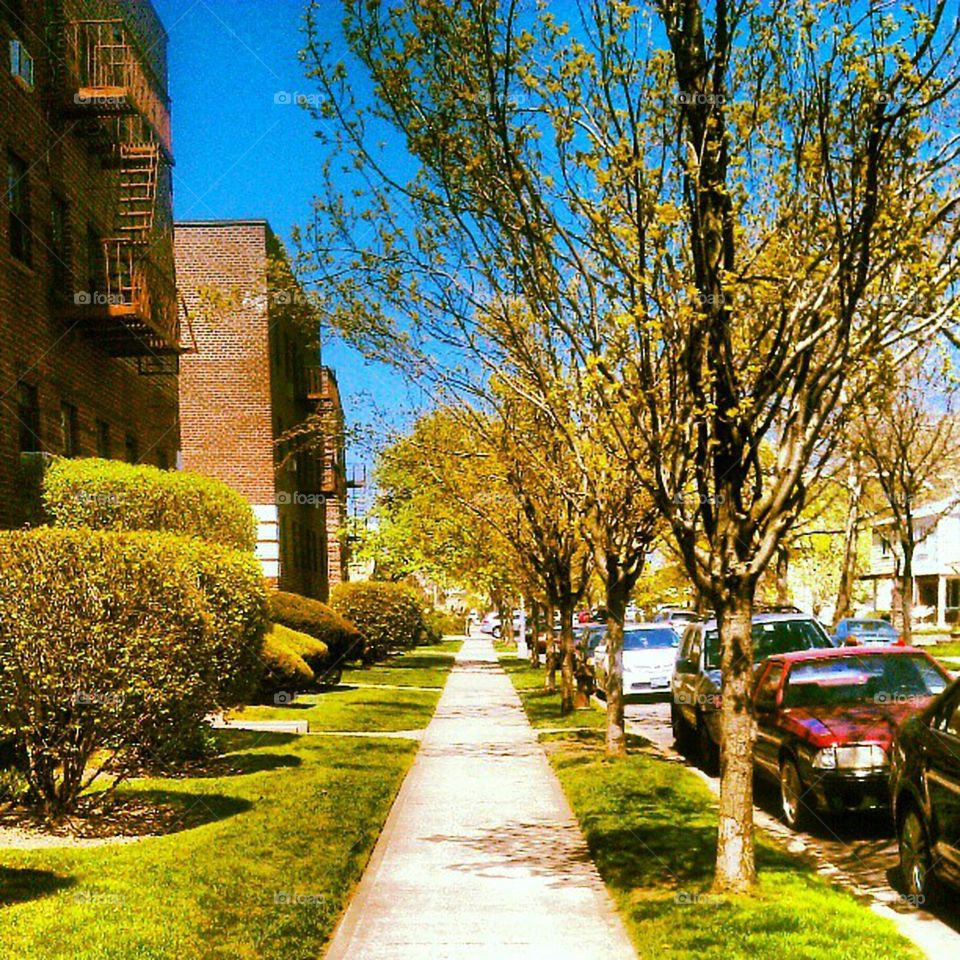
139, 166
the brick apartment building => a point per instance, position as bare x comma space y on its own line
89, 320
255, 375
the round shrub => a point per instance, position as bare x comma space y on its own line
389, 615
341, 637
112, 495
284, 671
313, 652
103, 643
440, 624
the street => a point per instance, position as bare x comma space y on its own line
859, 851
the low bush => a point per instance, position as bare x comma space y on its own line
389, 615
312, 651
440, 624
105, 640
112, 495
284, 671
341, 637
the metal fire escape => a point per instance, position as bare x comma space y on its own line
134, 310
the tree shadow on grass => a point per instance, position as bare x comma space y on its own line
20, 884
242, 764
235, 741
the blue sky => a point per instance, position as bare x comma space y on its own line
244, 149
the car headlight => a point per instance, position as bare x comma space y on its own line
854, 756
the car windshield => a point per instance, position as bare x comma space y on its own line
880, 627
867, 678
771, 637
650, 639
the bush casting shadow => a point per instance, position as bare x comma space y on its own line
20, 884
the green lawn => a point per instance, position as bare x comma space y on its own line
543, 707
951, 649
371, 709
651, 828
269, 855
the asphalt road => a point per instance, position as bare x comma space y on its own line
858, 851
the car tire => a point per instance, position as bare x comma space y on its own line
793, 809
682, 734
495, 633
916, 859
707, 750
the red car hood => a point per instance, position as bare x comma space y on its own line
851, 723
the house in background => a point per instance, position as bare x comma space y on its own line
936, 563
89, 319
255, 376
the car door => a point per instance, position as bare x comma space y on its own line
685, 674
766, 712
942, 767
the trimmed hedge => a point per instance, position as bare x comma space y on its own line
284, 670
440, 624
103, 641
341, 637
313, 652
112, 495
389, 615
119, 640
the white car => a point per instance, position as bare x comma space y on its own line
649, 651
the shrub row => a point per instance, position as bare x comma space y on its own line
389, 615
112, 495
123, 641
285, 666
342, 638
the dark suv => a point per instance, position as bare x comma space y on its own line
695, 686
925, 787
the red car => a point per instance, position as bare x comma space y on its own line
826, 719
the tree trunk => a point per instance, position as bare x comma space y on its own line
534, 634
783, 573
848, 568
616, 612
736, 867
506, 624
906, 594
566, 653
550, 676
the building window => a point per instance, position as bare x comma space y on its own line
18, 203
103, 439
68, 430
60, 244
131, 448
21, 63
28, 416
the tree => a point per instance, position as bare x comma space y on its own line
719, 198
911, 438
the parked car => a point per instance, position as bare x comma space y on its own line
855, 631
676, 617
649, 650
826, 719
695, 684
925, 788
588, 637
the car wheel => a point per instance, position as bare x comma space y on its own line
916, 862
791, 795
681, 730
495, 633
708, 750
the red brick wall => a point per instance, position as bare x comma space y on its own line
241, 391
38, 343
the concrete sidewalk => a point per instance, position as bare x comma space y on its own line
481, 856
